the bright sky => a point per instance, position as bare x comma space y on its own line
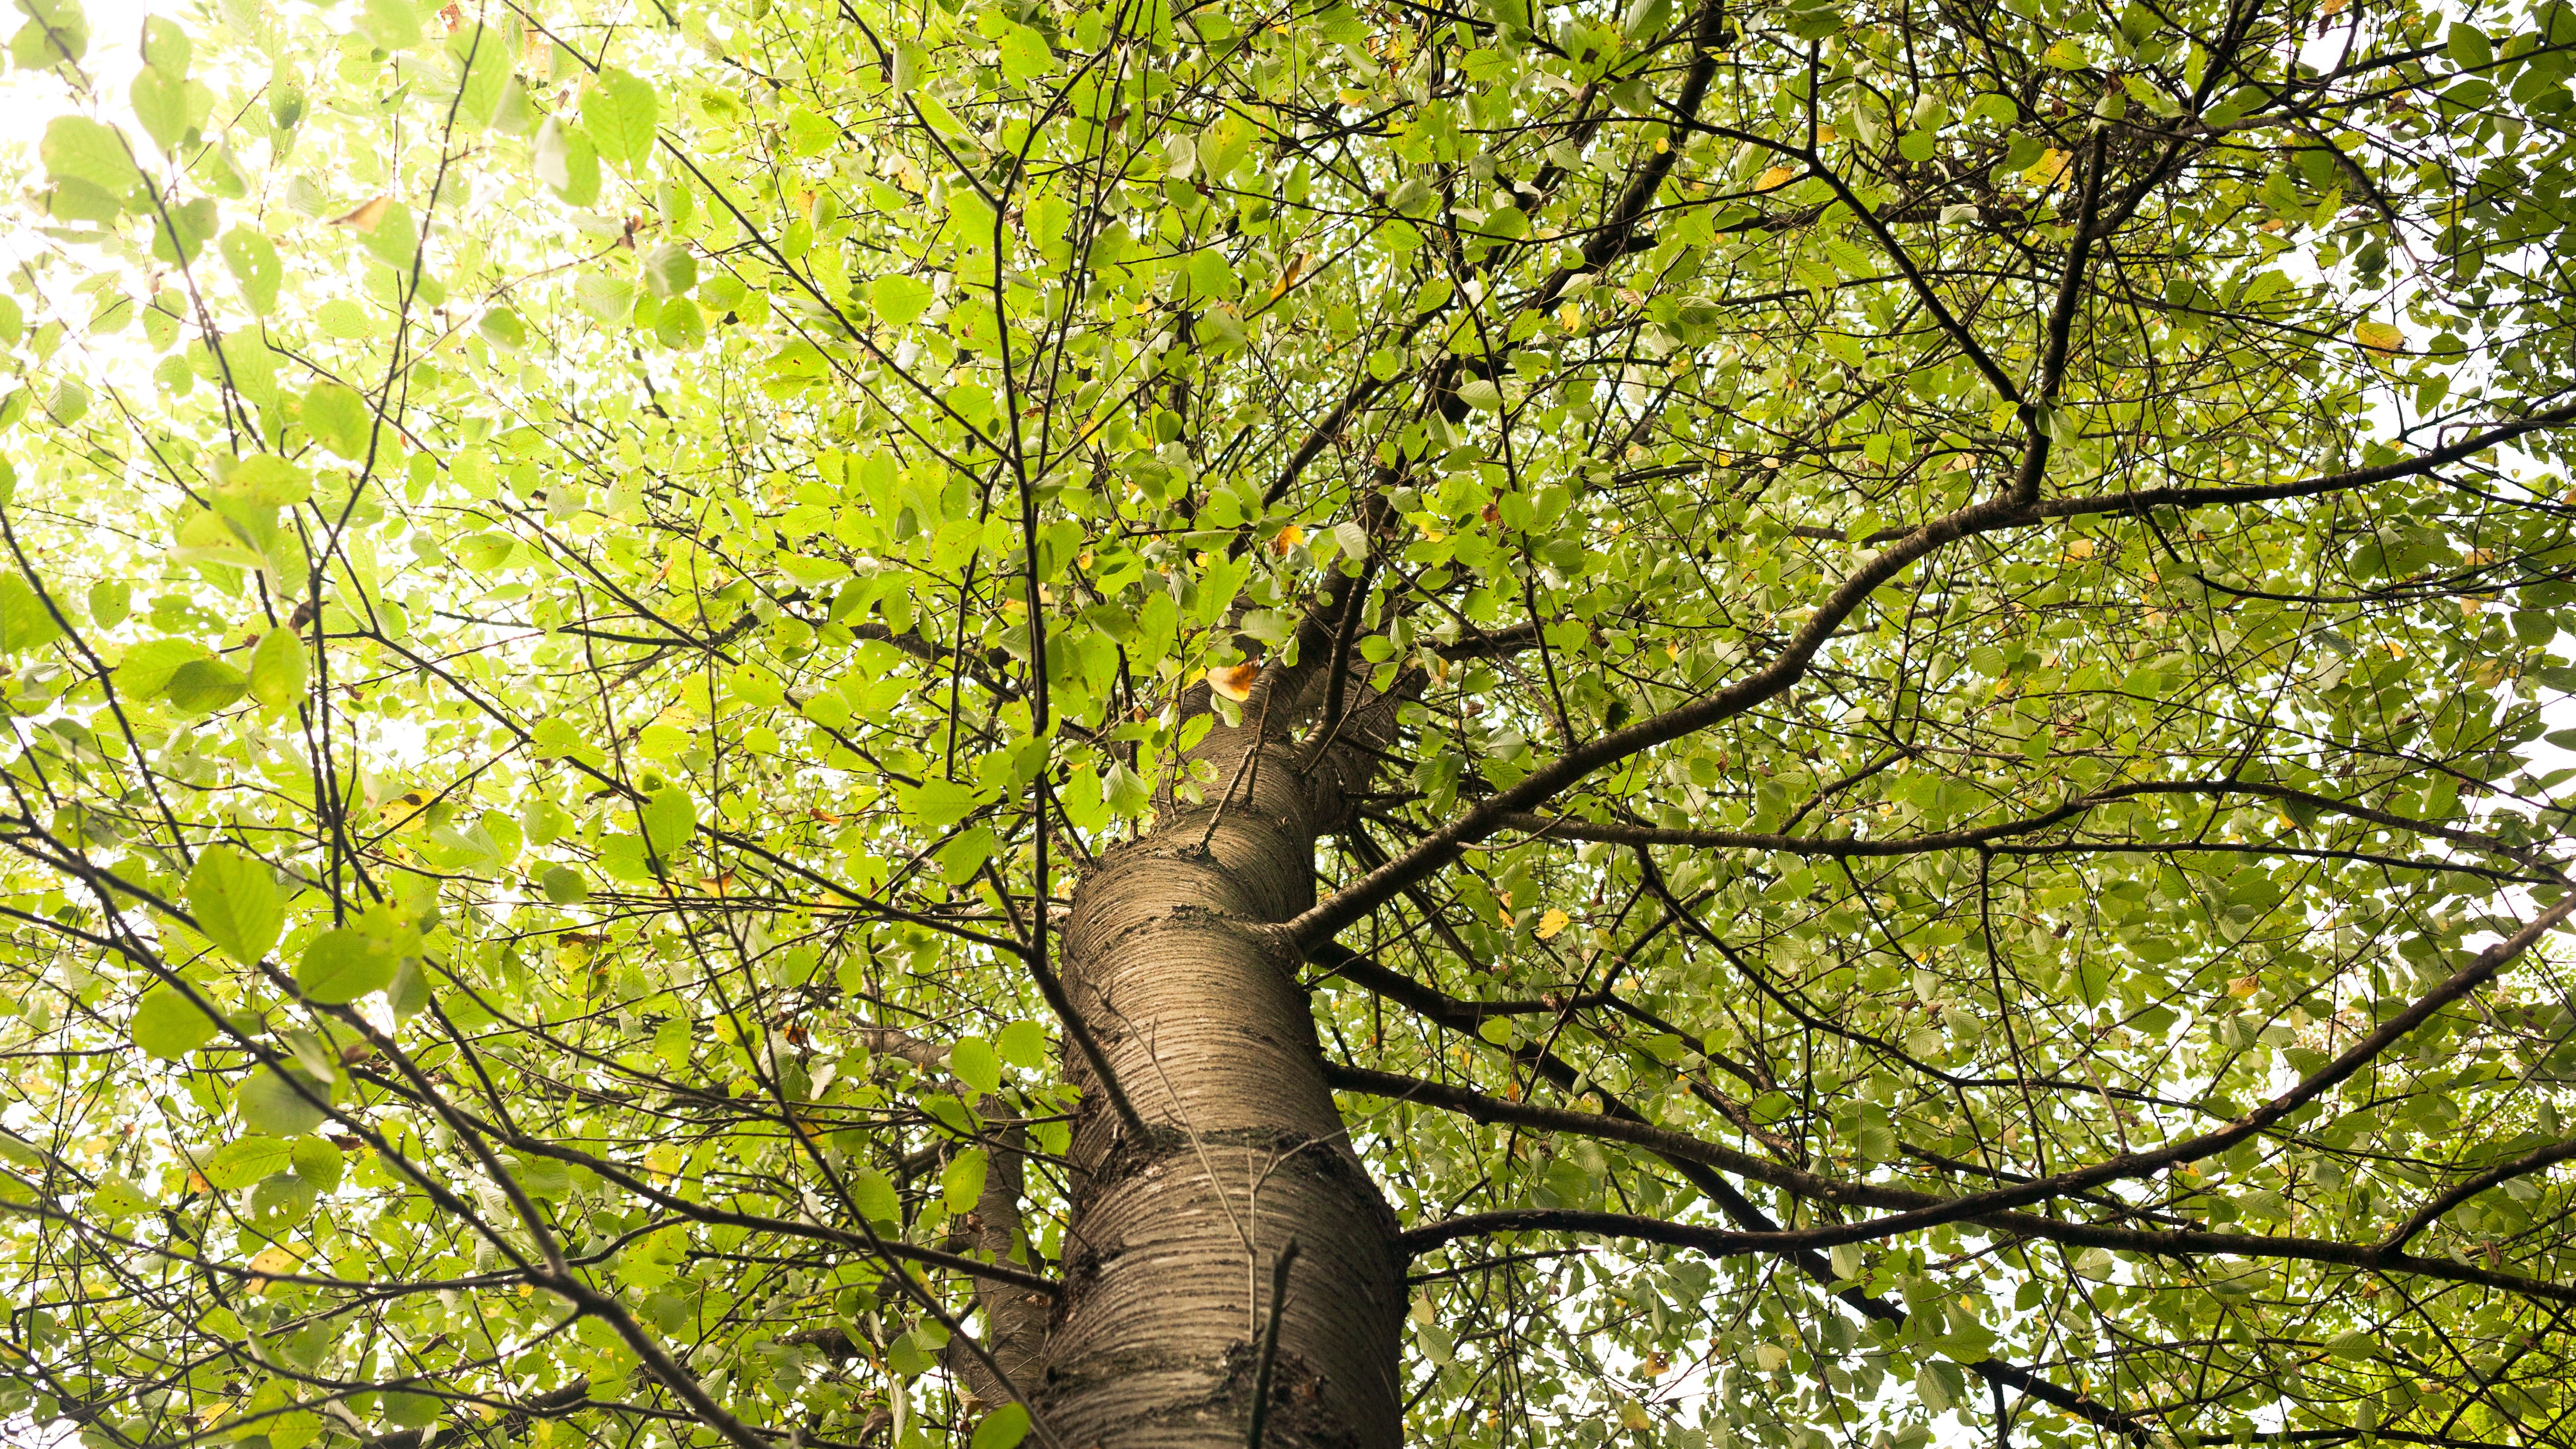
115, 44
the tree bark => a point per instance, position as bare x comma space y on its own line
1172, 1239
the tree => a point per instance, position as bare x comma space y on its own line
1153, 725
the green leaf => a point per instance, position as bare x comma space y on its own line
941, 119
160, 101
1127, 792
908, 1356
341, 965
681, 326
281, 1200
25, 622
180, 230
338, 419
166, 46
270, 1103
1003, 1428
567, 162
264, 480
395, 237
898, 300
408, 994
973, 1061
234, 898
202, 686
873, 1196
146, 668
1814, 21
77, 148
502, 327
962, 1181
253, 260
670, 269
392, 24
609, 300
2469, 48
56, 31
168, 1025
318, 1161
541, 1178
620, 111
962, 857
246, 1160
564, 885
482, 59
208, 537
1023, 1044
940, 803
117, 1197
669, 817
1024, 52
109, 602
277, 669
410, 1410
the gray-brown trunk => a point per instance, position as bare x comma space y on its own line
1167, 1265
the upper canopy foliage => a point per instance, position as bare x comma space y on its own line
560, 557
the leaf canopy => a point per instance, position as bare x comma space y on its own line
1977, 601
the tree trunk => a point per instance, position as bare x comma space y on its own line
1168, 1260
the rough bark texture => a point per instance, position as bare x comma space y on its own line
1167, 1266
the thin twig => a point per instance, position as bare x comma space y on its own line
1270, 1343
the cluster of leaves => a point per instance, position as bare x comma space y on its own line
558, 560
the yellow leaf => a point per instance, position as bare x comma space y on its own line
270, 1262
2381, 339
1288, 538
1288, 277
1827, 135
1775, 178
2050, 166
2241, 987
367, 214
1570, 317
2080, 549
403, 812
1552, 922
1633, 1416
1234, 681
